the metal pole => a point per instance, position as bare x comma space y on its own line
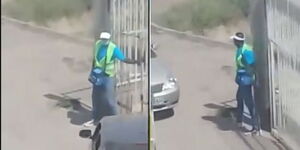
148, 91
101, 17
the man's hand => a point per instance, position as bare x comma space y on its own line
130, 61
139, 62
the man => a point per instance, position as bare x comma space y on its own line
103, 96
245, 77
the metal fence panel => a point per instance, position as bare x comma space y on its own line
284, 37
129, 29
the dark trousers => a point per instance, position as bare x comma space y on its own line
103, 99
244, 95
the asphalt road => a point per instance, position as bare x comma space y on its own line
37, 67
201, 120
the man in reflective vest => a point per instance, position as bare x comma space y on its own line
103, 97
245, 77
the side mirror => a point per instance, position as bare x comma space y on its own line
85, 133
153, 145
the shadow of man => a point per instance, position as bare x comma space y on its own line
225, 117
78, 112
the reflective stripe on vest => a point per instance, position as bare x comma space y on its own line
110, 64
238, 59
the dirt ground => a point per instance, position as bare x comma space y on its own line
220, 33
82, 26
201, 120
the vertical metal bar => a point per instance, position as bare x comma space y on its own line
123, 17
136, 13
128, 18
138, 27
141, 27
144, 14
119, 25
133, 23
134, 49
112, 16
283, 89
145, 68
126, 47
119, 21
148, 91
114, 31
280, 85
126, 36
128, 40
271, 84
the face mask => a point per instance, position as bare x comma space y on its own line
238, 43
105, 42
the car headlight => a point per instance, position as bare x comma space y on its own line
170, 84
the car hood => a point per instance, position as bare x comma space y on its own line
159, 72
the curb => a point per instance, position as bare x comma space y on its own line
48, 31
281, 141
188, 36
270, 136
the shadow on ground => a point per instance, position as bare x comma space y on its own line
225, 121
163, 114
223, 118
226, 115
78, 112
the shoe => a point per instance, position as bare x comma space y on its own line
89, 123
258, 132
240, 125
252, 132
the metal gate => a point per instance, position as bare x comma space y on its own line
284, 63
129, 27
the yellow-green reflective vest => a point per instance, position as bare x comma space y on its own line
110, 64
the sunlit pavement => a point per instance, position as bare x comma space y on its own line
201, 120
36, 68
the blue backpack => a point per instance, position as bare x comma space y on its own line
97, 76
243, 78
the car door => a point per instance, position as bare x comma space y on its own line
96, 138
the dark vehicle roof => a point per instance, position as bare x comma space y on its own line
131, 128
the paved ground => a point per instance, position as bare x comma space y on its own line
205, 74
35, 69
46, 95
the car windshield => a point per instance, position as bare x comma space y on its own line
153, 54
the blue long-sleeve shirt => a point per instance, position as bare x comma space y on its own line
248, 56
248, 60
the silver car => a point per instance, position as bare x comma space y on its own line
164, 85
